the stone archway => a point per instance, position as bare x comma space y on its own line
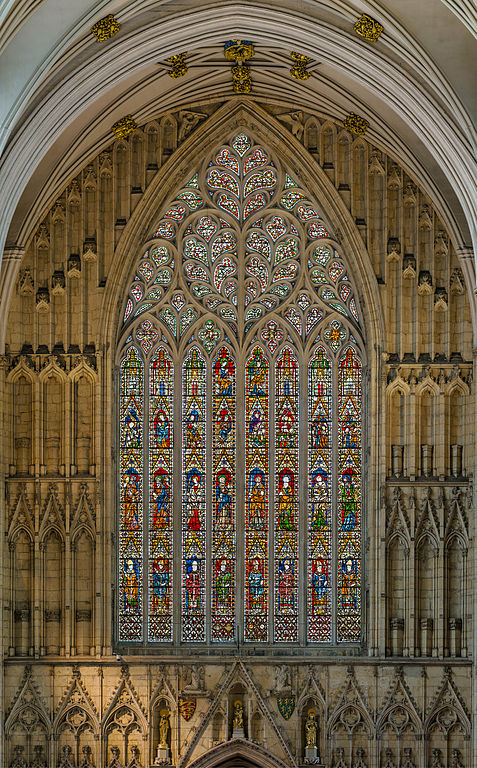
238, 753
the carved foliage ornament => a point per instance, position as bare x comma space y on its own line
105, 28
178, 65
299, 69
356, 124
368, 28
124, 127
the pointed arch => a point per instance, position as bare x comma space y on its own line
242, 265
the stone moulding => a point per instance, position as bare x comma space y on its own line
105, 28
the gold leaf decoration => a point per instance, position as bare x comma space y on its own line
105, 28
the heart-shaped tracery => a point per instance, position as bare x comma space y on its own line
250, 241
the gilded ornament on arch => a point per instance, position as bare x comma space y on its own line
356, 124
238, 50
124, 127
299, 69
242, 78
178, 65
105, 28
368, 28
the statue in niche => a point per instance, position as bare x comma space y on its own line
164, 729
311, 729
237, 721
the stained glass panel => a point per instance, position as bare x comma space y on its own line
256, 497
161, 419
286, 571
193, 497
320, 480
131, 405
223, 502
237, 241
349, 497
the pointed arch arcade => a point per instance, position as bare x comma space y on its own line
241, 355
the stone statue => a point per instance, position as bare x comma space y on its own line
164, 728
282, 678
238, 715
311, 730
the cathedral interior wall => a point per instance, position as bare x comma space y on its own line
404, 694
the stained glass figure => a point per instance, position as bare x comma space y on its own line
349, 497
286, 572
320, 482
131, 405
161, 419
223, 498
256, 497
194, 529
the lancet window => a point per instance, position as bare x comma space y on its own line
240, 418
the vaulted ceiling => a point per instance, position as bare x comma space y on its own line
63, 90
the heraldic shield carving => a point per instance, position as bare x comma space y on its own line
187, 708
286, 706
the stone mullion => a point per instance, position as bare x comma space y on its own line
440, 436
465, 603
377, 619
69, 625
439, 604
12, 646
40, 645
410, 602
412, 437
96, 624
109, 379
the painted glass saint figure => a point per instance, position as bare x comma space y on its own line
286, 586
223, 584
256, 587
131, 585
319, 586
160, 584
257, 500
349, 499
286, 520
194, 500
160, 518
223, 500
193, 585
131, 500
349, 584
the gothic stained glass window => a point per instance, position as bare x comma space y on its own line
240, 417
